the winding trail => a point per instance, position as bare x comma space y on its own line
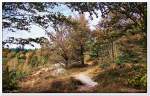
42, 81
86, 80
44, 78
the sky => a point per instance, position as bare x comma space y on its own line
39, 32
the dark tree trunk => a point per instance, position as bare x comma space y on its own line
82, 54
67, 63
112, 48
66, 59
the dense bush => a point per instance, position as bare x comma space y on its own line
4, 60
139, 81
119, 60
21, 61
43, 59
20, 74
127, 57
34, 61
104, 65
9, 80
21, 56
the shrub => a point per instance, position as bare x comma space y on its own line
9, 80
127, 57
20, 74
34, 61
43, 59
144, 81
105, 65
139, 81
20, 56
119, 60
4, 60
21, 61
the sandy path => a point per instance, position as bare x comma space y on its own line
40, 81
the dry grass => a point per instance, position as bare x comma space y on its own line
110, 79
115, 79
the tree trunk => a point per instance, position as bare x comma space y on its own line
66, 60
82, 54
67, 63
112, 48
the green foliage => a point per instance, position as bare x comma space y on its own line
20, 74
93, 48
21, 56
133, 77
139, 81
43, 59
4, 60
9, 80
131, 57
144, 81
38, 60
105, 65
72, 41
127, 57
94, 53
100, 49
34, 61
21, 61
120, 60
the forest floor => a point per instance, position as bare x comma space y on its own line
77, 80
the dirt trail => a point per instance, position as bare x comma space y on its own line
41, 80
86, 80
